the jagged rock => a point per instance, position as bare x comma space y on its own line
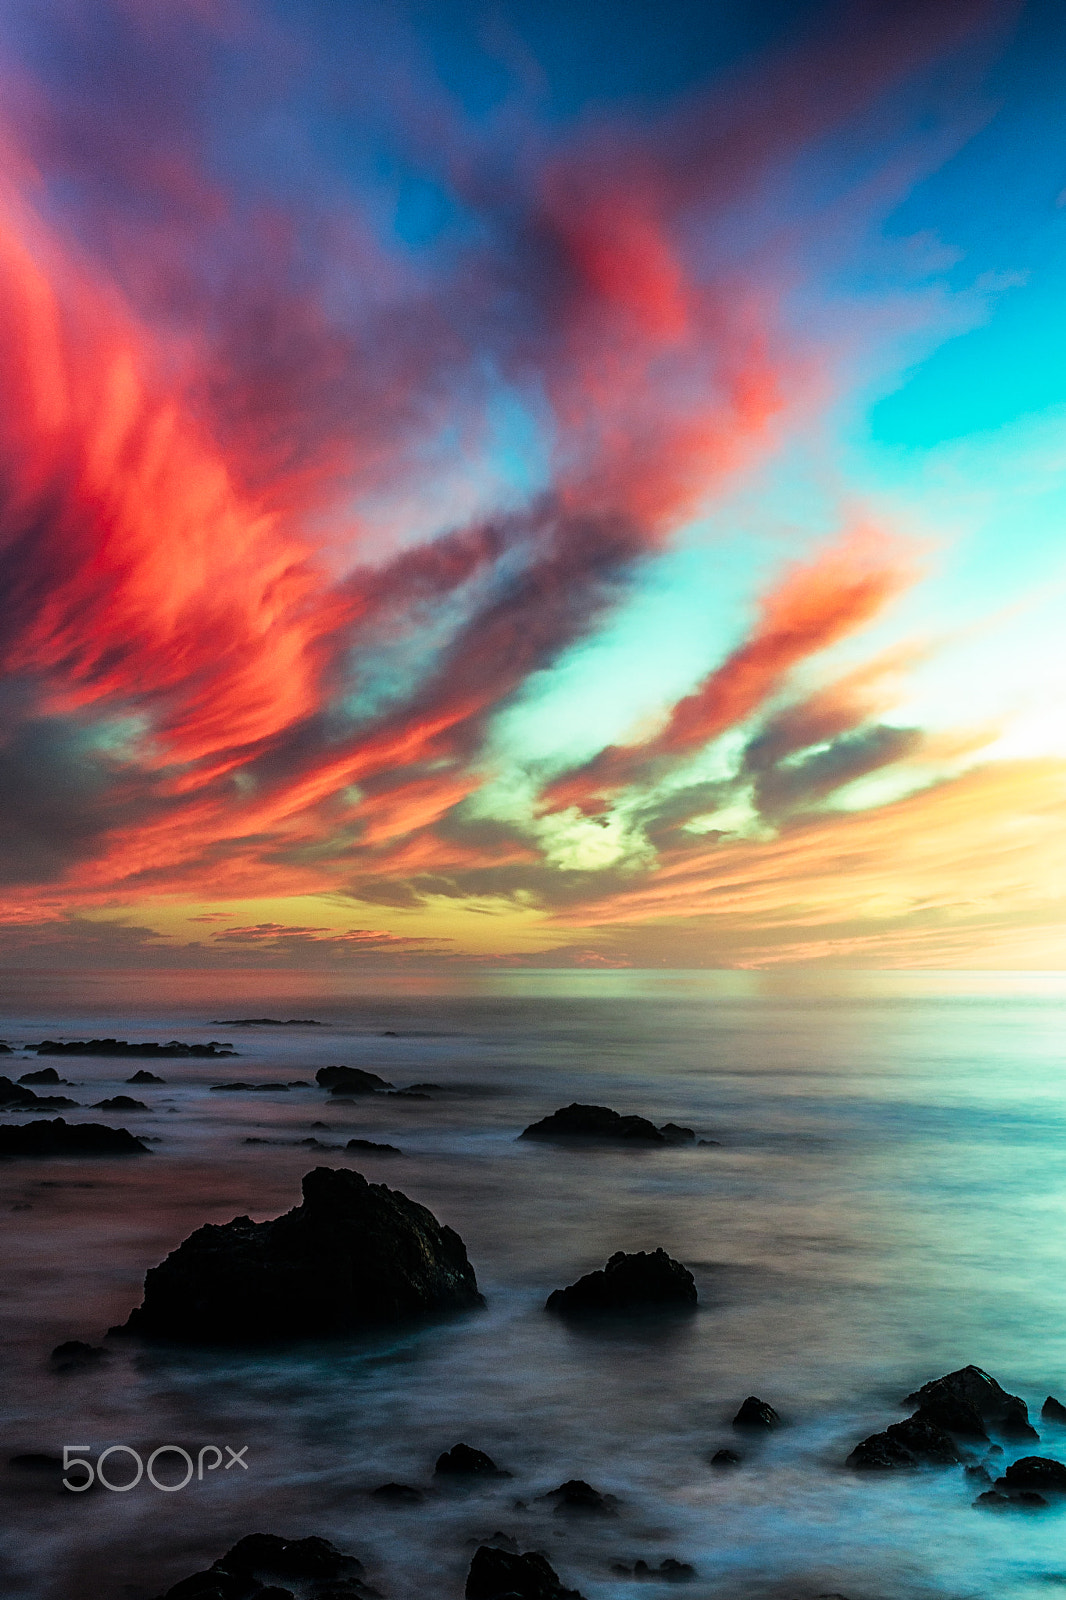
17, 1097
905, 1444
756, 1414
1007, 1414
251, 1569
725, 1458
373, 1149
647, 1280
497, 1574
119, 1102
354, 1255
669, 1570
578, 1496
593, 1123
350, 1080
399, 1494
462, 1461
1053, 1410
59, 1138
1034, 1472
120, 1047
144, 1076
74, 1356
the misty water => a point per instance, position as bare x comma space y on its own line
886, 1202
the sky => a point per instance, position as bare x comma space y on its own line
518, 485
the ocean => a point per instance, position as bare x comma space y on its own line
885, 1201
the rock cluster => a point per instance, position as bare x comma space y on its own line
59, 1138
266, 1567
17, 1097
497, 1574
576, 1497
600, 1125
353, 1255
962, 1405
646, 1280
121, 1047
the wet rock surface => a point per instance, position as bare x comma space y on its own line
353, 1255
59, 1138
497, 1574
646, 1280
264, 1566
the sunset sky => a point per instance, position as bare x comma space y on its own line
525, 484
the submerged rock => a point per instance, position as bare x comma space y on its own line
44, 1075
646, 1280
953, 1414
119, 1102
497, 1574
463, 1461
59, 1138
725, 1458
120, 1047
370, 1148
263, 1566
353, 1255
594, 1123
350, 1080
755, 1414
17, 1097
669, 1570
905, 1444
1034, 1472
992, 1500
144, 1076
75, 1356
577, 1496
399, 1494
1053, 1410
1007, 1414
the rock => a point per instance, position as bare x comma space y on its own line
1034, 1472
371, 1148
1005, 1413
144, 1076
354, 1255
74, 1356
423, 1088
979, 1475
756, 1414
44, 1075
500, 1541
59, 1138
668, 1571
905, 1444
253, 1088
578, 1496
120, 1047
644, 1281
497, 1574
993, 1501
675, 1135
462, 1461
16, 1097
725, 1458
952, 1414
593, 1123
267, 1022
350, 1080
119, 1102
248, 1572
1053, 1410
399, 1494
399, 1094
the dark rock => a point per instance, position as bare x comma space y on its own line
5, 1049
497, 1574
979, 1475
756, 1414
725, 1458
119, 1102
74, 1356
255, 1088
373, 1149
953, 1414
354, 1255
17, 1097
59, 1138
905, 1444
668, 1571
1005, 1413
120, 1047
675, 1135
44, 1075
643, 1281
462, 1461
350, 1080
593, 1123
1034, 1472
249, 1571
267, 1022
399, 1094
299, 1083
991, 1500
400, 1494
423, 1088
578, 1496
1053, 1410
144, 1076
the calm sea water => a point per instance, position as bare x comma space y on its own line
887, 1202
